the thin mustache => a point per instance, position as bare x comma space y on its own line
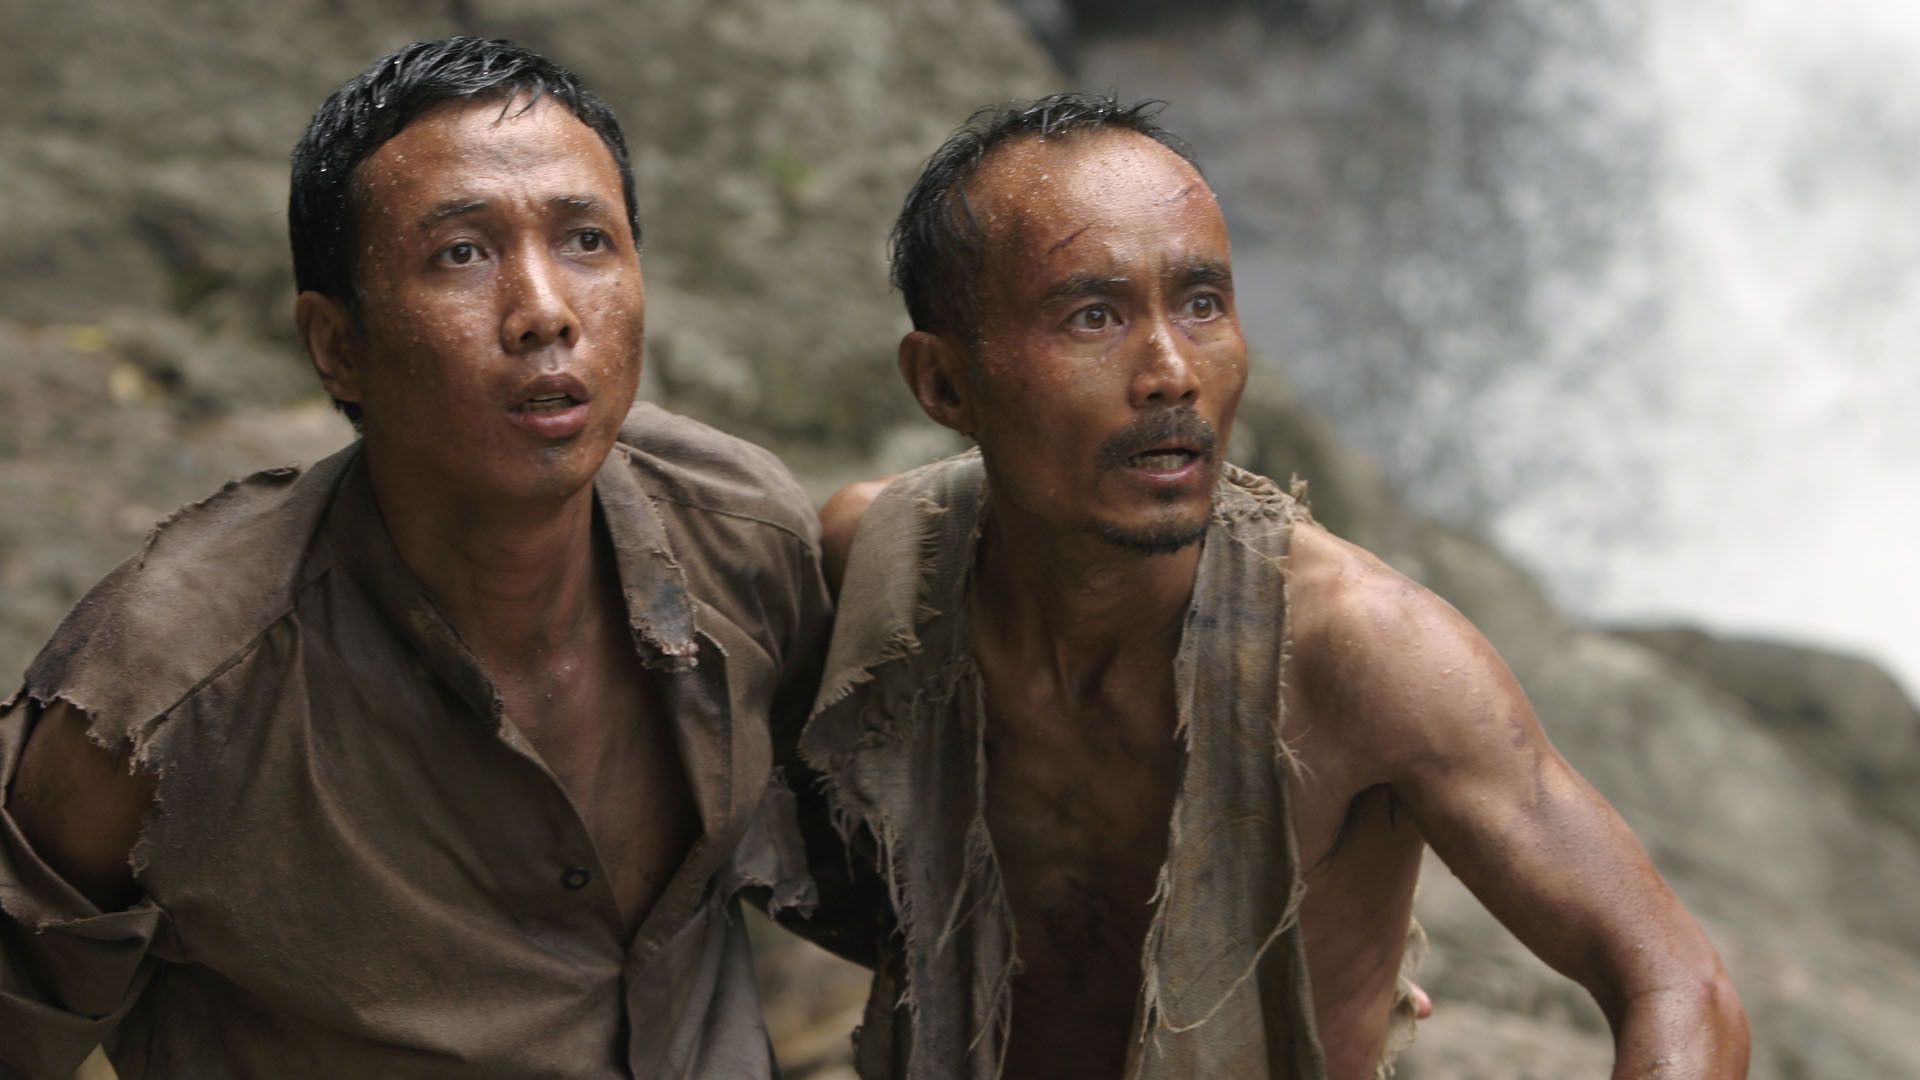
1155, 429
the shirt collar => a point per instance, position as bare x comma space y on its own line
660, 611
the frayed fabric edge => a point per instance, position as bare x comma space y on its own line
135, 741
1403, 1029
284, 474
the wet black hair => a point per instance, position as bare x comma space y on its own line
937, 246
376, 105
380, 102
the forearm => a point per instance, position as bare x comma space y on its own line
852, 915
1690, 1028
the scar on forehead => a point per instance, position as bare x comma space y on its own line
1068, 239
1178, 195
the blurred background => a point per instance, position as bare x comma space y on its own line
1598, 318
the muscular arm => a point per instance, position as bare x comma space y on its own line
80, 806
1534, 842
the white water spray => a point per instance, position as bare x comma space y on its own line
1634, 285
1784, 253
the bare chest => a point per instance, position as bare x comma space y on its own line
1078, 803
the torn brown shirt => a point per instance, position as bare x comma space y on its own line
357, 865
897, 732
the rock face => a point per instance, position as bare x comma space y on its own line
149, 356
1842, 713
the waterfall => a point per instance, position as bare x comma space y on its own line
1782, 244
1633, 287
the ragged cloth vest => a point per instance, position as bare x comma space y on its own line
897, 732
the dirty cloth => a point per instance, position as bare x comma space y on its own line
897, 732
358, 865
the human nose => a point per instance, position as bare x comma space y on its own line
539, 312
1165, 373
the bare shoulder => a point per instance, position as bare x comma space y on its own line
80, 805
1343, 600
1397, 664
840, 521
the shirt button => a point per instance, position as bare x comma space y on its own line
576, 877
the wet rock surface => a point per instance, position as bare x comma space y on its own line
148, 357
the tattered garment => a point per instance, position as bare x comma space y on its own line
898, 733
358, 866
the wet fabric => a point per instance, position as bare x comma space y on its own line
358, 866
897, 732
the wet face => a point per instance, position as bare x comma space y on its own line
1109, 362
497, 346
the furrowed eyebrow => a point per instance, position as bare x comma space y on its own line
583, 204
580, 204
1080, 285
1204, 272
450, 209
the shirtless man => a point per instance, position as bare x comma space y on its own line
1102, 704
436, 758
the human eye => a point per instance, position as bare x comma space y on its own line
460, 253
1204, 307
591, 240
1093, 317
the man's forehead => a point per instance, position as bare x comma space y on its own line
1048, 190
456, 141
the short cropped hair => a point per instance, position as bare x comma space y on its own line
374, 106
937, 246
358, 118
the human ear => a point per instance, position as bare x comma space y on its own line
931, 365
327, 329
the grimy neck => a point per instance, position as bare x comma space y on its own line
518, 581
1076, 605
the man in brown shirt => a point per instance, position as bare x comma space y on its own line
448, 756
1146, 757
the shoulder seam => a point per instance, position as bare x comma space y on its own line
636, 457
736, 514
232, 660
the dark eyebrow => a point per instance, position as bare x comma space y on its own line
584, 204
1204, 272
1080, 285
452, 208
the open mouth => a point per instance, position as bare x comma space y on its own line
547, 403
552, 407
1162, 446
1167, 459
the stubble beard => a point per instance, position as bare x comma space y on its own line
1159, 538
1163, 537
